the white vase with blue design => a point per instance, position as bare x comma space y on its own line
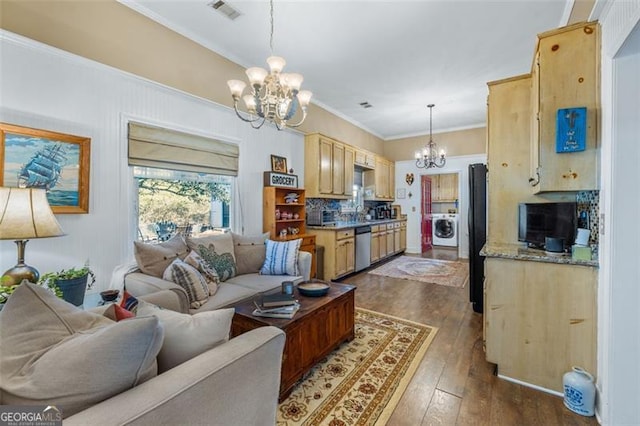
579, 391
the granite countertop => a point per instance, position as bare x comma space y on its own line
521, 252
351, 224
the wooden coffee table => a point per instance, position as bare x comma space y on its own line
320, 325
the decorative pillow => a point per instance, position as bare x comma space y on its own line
188, 277
208, 273
217, 251
153, 259
54, 353
117, 313
249, 252
281, 258
186, 336
129, 302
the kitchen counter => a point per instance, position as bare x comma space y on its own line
351, 224
521, 252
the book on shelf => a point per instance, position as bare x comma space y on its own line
278, 312
278, 299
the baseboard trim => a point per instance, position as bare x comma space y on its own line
529, 385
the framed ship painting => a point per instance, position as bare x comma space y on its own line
56, 162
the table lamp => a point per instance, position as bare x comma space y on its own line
24, 214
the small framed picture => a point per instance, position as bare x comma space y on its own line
278, 164
401, 193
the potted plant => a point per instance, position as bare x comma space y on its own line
71, 282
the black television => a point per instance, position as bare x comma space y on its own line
539, 220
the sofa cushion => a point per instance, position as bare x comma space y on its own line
209, 274
188, 277
54, 353
217, 251
261, 283
186, 336
281, 257
249, 252
153, 259
226, 295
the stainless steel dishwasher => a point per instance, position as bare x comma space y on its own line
363, 247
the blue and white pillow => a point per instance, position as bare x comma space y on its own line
281, 258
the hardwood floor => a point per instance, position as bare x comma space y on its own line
454, 385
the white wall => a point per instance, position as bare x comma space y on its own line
618, 291
411, 206
45, 88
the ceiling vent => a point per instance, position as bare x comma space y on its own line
225, 9
366, 105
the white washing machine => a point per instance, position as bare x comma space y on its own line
445, 229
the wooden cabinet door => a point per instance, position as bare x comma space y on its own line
448, 187
375, 247
348, 170
341, 258
326, 167
338, 169
569, 76
403, 236
382, 178
389, 242
435, 188
396, 240
382, 244
392, 181
350, 252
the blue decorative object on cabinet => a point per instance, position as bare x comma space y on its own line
571, 130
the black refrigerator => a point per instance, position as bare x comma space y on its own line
477, 232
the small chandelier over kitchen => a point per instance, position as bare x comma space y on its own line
274, 96
429, 156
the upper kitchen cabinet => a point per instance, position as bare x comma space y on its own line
566, 74
444, 188
328, 167
365, 159
379, 184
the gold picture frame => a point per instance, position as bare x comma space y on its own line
54, 161
278, 164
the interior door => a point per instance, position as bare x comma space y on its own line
426, 225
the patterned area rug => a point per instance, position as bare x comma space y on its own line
361, 382
442, 272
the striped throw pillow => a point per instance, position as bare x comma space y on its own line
188, 277
281, 258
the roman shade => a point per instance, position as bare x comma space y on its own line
151, 146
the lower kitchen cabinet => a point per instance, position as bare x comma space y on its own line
339, 249
540, 319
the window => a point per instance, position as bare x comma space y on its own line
174, 202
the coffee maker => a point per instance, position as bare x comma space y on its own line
382, 212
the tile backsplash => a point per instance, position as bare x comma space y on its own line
589, 202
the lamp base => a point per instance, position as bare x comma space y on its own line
21, 271
18, 273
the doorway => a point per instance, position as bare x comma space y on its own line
426, 221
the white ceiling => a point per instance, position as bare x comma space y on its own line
398, 55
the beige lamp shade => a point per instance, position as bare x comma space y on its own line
25, 213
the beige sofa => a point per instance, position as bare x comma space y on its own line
229, 292
211, 389
248, 252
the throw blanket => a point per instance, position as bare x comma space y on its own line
121, 271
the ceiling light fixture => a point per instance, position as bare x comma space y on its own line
275, 96
429, 156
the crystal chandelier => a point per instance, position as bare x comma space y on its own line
274, 96
429, 156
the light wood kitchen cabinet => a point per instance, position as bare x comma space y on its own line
379, 184
324, 162
349, 156
396, 237
444, 188
566, 74
375, 243
365, 159
390, 241
339, 251
382, 242
403, 235
540, 319
509, 112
